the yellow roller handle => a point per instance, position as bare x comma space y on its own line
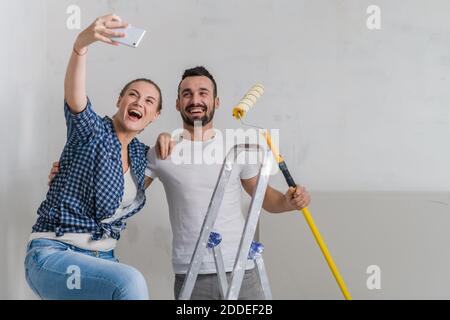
309, 220
326, 253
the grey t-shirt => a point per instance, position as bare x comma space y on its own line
189, 183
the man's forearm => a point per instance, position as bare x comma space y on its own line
147, 182
275, 201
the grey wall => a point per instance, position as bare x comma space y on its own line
363, 118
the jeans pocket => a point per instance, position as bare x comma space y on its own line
39, 255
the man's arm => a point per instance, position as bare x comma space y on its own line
275, 201
53, 172
147, 182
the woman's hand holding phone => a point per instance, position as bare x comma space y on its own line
102, 29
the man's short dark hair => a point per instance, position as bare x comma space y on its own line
198, 72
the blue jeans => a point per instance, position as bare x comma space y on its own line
58, 271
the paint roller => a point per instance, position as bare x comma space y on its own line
239, 112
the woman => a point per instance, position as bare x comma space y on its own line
100, 185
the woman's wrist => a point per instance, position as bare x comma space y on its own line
79, 48
80, 52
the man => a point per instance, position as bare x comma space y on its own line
189, 186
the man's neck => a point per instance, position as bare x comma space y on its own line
198, 133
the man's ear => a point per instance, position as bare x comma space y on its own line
178, 105
217, 102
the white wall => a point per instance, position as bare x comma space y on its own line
360, 112
404, 234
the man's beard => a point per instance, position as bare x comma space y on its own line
207, 118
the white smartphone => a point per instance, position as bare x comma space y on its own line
133, 36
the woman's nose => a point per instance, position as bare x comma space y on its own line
140, 101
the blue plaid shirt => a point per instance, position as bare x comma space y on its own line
90, 185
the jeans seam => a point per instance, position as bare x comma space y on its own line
31, 284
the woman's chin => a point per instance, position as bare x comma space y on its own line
133, 126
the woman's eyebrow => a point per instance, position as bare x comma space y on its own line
151, 97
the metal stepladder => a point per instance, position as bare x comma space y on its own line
248, 249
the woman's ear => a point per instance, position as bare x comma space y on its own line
157, 114
118, 101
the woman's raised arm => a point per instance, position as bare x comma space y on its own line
102, 29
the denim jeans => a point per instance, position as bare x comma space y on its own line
58, 271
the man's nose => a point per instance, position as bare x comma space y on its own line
196, 99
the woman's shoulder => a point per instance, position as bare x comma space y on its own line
141, 144
139, 148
